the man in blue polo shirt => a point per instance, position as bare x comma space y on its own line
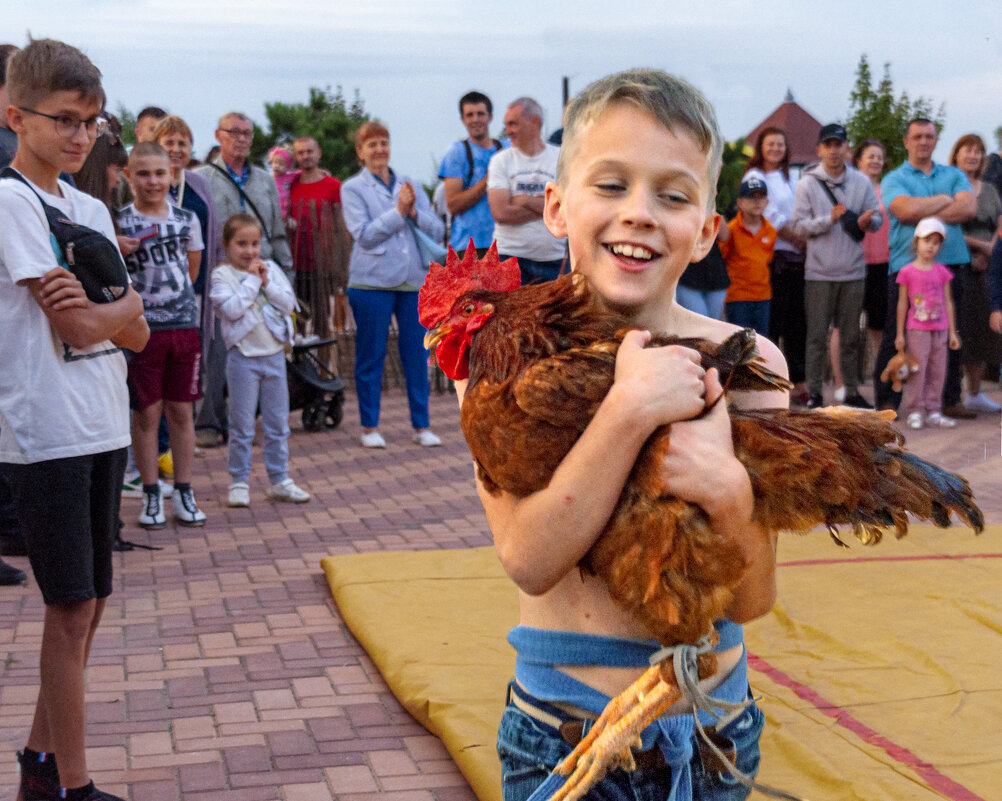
464, 175
921, 188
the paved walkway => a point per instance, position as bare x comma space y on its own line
222, 669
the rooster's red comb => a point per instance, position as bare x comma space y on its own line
447, 282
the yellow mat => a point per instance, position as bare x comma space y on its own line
880, 669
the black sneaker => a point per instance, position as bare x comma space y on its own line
10, 576
91, 793
857, 401
815, 402
39, 778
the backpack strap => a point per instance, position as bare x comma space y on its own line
52, 214
469, 160
245, 197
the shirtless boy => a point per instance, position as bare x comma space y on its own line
638, 167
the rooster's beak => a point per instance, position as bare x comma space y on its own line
434, 336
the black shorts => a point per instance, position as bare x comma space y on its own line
68, 509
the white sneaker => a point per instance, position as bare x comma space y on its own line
186, 511
839, 394
287, 492
936, 419
915, 420
427, 439
239, 495
152, 516
373, 440
980, 402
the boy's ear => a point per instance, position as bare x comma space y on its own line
15, 118
553, 210
707, 235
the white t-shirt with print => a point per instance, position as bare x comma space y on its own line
520, 174
55, 401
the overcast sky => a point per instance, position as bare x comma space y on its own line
411, 61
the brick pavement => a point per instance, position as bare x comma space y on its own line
222, 669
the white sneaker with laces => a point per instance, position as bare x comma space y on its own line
915, 420
980, 402
152, 516
186, 511
427, 438
937, 419
239, 495
287, 492
373, 439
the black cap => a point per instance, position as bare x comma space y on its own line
751, 185
832, 131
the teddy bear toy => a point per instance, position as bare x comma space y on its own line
901, 366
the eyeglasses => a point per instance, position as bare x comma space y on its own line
67, 125
238, 133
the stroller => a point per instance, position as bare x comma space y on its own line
313, 387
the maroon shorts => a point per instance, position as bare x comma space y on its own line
166, 369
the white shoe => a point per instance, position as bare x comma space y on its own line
427, 438
373, 440
839, 394
936, 419
152, 516
980, 402
239, 495
186, 511
288, 492
915, 420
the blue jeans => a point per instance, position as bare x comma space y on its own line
250, 378
528, 753
709, 304
535, 272
372, 309
749, 314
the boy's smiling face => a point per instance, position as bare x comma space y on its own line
634, 207
149, 177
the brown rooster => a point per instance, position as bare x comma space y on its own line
541, 358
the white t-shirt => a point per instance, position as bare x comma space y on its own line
55, 401
520, 174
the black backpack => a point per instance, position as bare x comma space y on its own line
89, 254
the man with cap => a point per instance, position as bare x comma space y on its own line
917, 189
832, 208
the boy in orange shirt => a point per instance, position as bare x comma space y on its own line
746, 244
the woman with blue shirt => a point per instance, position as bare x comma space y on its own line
384, 276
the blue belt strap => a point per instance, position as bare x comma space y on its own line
539, 650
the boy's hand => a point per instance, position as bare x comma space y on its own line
700, 466
60, 290
995, 321
663, 384
127, 244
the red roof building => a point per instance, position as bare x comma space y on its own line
801, 130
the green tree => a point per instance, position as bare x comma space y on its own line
327, 116
128, 121
875, 113
735, 160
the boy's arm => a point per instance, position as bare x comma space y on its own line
194, 263
134, 336
542, 537
81, 326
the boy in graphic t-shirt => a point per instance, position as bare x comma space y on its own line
164, 378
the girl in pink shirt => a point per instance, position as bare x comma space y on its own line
926, 325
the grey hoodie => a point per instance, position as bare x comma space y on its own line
832, 255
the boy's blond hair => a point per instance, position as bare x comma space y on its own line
667, 98
47, 66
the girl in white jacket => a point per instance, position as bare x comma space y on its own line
253, 300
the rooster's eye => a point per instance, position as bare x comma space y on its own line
468, 309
